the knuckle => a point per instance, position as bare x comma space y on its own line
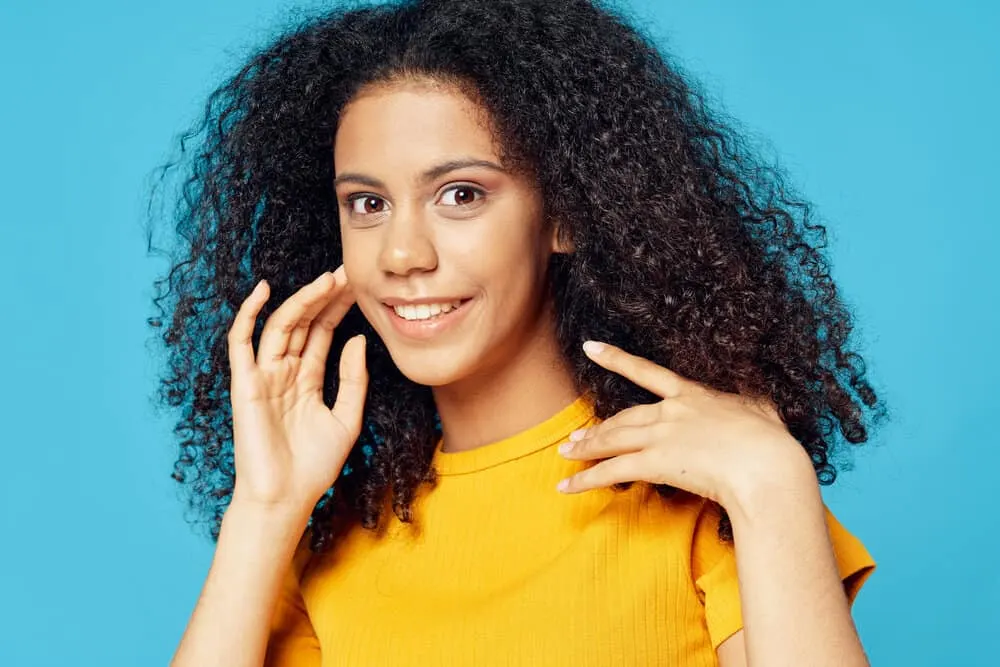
325, 280
660, 432
651, 459
586, 444
234, 338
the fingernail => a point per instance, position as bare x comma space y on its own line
566, 448
593, 347
563, 485
577, 435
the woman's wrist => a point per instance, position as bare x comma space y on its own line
785, 479
269, 520
230, 624
293, 509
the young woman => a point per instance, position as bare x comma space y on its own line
408, 449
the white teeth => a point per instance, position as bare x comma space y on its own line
425, 311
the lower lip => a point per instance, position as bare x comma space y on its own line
426, 329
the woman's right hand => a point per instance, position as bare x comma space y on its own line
289, 447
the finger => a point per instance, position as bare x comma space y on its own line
648, 375
613, 442
625, 468
240, 338
349, 405
317, 348
638, 415
279, 326
297, 340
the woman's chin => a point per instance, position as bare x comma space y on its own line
429, 368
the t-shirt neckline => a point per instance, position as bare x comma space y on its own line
544, 434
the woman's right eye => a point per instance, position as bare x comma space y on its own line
365, 204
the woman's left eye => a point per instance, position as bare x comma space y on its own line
461, 195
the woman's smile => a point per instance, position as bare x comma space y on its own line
450, 252
426, 320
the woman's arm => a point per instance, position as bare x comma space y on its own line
738, 452
795, 610
230, 623
288, 448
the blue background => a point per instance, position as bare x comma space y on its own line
885, 113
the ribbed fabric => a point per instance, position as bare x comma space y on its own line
501, 569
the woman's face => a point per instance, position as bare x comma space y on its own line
446, 250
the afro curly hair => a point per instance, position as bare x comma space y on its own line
689, 250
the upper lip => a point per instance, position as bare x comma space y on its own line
394, 301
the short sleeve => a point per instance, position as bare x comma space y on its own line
714, 571
292, 641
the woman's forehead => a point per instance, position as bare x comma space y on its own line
395, 120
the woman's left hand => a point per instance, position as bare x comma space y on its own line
708, 442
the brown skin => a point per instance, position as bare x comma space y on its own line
470, 232
289, 448
737, 452
496, 374
500, 370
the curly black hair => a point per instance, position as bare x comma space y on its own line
688, 249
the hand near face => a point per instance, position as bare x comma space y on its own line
704, 441
288, 445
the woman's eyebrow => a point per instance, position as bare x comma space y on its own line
431, 174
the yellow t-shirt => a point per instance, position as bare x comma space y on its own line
501, 569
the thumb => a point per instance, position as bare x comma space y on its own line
349, 406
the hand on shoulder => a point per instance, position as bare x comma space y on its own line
723, 446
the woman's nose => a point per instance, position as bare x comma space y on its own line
407, 245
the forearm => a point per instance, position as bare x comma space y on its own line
795, 610
231, 620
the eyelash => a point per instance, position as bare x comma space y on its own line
367, 195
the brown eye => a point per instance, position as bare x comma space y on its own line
368, 205
461, 195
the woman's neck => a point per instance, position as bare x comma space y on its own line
531, 384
